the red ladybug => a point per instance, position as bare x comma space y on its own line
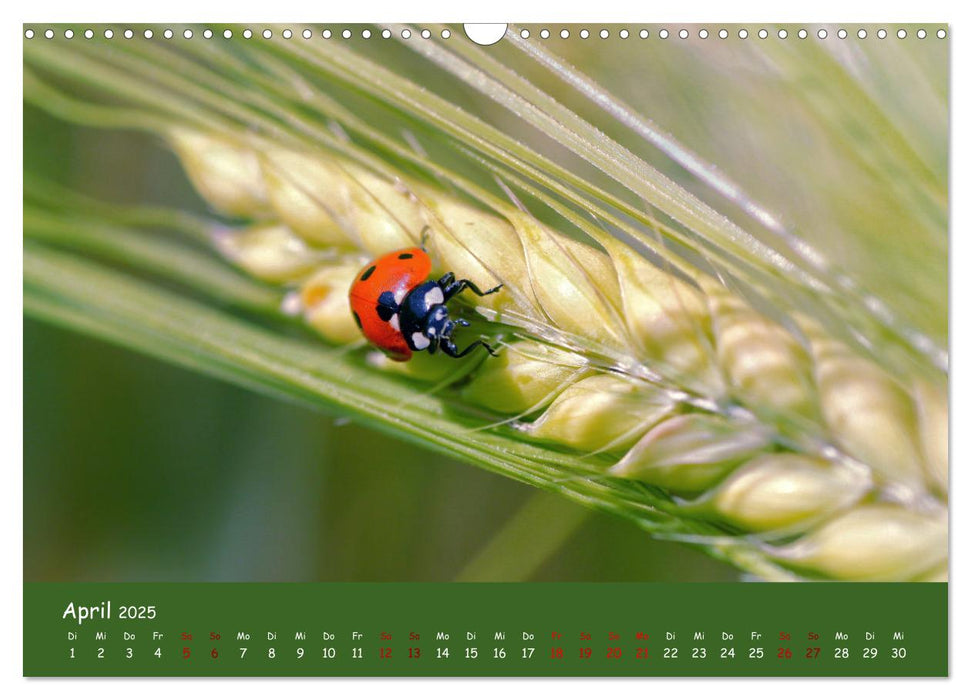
400, 310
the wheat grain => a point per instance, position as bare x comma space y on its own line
525, 377
785, 492
270, 251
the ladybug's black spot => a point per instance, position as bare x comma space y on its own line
368, 272
357, 320
405, 256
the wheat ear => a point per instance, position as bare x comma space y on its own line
834, 467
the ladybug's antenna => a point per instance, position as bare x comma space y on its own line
424, 236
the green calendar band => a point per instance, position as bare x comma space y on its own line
494, 629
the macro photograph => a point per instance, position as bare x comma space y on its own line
585, 303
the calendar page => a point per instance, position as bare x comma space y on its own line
534, 350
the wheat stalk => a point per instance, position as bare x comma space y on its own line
716, 379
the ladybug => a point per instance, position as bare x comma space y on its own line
400, 310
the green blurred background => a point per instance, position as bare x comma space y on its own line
135, 470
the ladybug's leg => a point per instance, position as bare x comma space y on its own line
448, 347
452, 288
446, 281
